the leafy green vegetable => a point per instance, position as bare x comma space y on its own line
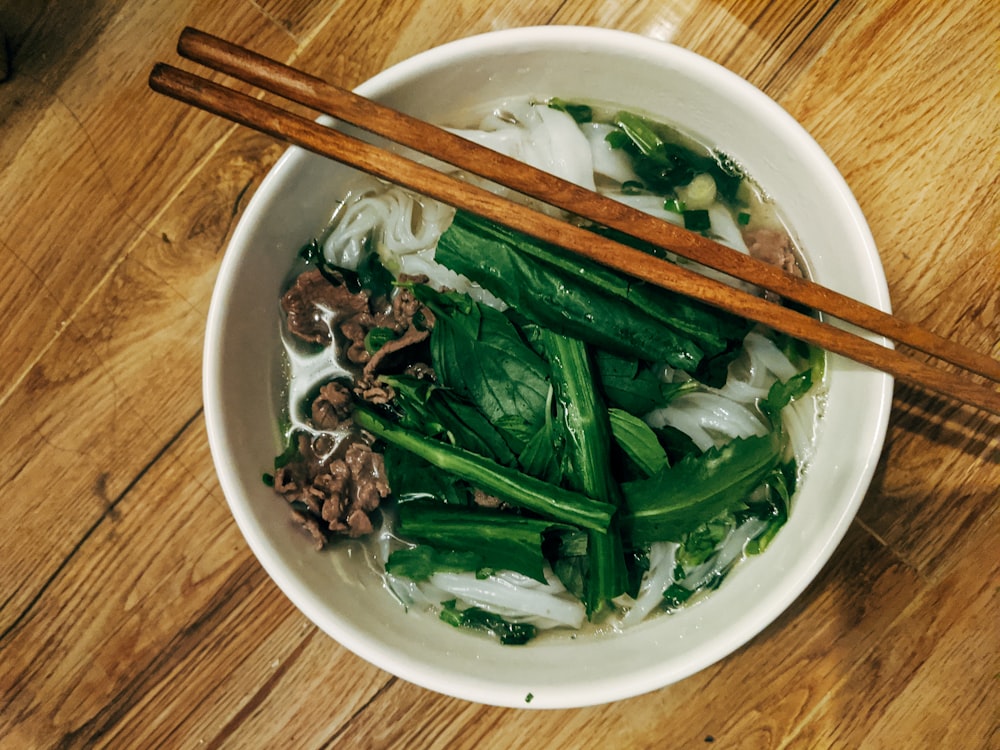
479, 354
679, 498
570, 560
700, 543
437, 412
473, 618
664, 165
632, 385
675, 596
542, 454
421, 562
782, 393
579, 112
518, 489
571, 296
492, 540
378, 337
374, 277
588, 458
638, 441
411, 476
676, 443
780, 487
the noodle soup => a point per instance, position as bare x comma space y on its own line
343, 590
376, 319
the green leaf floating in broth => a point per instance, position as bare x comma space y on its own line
569, 295
478, 353
486, 540
680, 497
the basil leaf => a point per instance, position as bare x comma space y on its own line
479, 354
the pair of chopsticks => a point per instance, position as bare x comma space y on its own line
314, 93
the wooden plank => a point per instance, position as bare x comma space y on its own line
120, 380
112, 637
121, 152
921, 505
930, 679
763, 692
343, 50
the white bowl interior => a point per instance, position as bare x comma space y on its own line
338, 591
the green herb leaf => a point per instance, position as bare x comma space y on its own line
376, 338
783, 393
506, 632
675, 596
579, 112
638, 441
679, 498
479, 354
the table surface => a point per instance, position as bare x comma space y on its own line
132, 613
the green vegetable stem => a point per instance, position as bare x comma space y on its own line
519, 489
588, 455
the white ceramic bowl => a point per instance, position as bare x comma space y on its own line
337, 591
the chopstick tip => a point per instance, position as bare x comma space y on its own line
156, 74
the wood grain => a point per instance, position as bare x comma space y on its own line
132, 613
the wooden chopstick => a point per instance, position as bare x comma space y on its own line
392, 167
429, 139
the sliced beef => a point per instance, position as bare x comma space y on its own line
395, 351
335, 495
774, 247
336, 482
332, 407
309, 302
355, 329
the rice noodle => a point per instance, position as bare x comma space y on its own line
729, 551
394, 218
403, 229
609, 162
655, 581
516, 597
546, 138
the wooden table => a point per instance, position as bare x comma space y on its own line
132, 613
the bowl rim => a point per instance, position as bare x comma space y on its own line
442, 681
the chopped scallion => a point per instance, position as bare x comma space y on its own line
697, 220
